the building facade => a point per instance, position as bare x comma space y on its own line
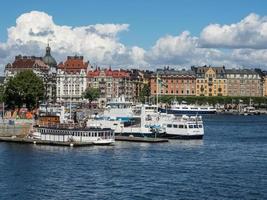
173, 82
264, 86
112, 84
210, 81
244, 82
71, 79
44, 67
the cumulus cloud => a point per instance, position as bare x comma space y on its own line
251, 32
182, 50
240, 44
99, 43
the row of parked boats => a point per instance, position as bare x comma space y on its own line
124, 119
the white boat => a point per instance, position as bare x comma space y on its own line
147, 121
185, 109
136, 124
59, 132
183, 127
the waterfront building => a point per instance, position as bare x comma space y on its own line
139, 78
244, 82
71, 79
265, 84
173, 82
44, 67
111, 83
210, 81
50, 76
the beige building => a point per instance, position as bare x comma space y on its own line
244, 82
210, 81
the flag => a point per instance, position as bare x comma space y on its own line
161, 82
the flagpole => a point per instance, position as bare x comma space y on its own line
157, 89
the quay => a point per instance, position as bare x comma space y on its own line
44, 142
140, 139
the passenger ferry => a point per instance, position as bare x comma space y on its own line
184, 109
183, 127
137, 124
48, 128
147, 121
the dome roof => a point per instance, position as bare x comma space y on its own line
48, 59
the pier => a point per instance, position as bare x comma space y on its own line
140, 139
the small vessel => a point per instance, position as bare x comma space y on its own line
49, 128
146, 121
181, 127
184, 109
137, 124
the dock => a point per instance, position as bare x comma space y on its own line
44, 142
140, 139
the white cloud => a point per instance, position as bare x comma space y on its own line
181, 50
251, 32
244, 44
99, 43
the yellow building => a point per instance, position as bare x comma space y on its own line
210, 81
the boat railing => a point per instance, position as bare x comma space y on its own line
60, 126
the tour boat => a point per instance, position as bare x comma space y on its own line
184, 109
48, 128
182, 127
137, 124
147, 121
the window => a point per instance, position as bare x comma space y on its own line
181, 126
169, 125
175, 126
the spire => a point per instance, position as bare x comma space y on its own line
48, 50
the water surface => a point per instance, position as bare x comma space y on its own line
229, 163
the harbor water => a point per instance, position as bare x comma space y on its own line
229, 163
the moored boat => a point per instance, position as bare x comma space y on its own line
182, 127
184, 109
48, 128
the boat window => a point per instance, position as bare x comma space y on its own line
181, 126
195, 126
191, 126
199, 126
175, 126
169, 125
185, 126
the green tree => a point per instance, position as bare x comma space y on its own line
25, 88
2, 88
144, 93
91, 94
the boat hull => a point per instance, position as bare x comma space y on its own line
181, 137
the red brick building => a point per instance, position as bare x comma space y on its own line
173, 82
112, 83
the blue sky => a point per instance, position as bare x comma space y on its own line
145, 33
148, 19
